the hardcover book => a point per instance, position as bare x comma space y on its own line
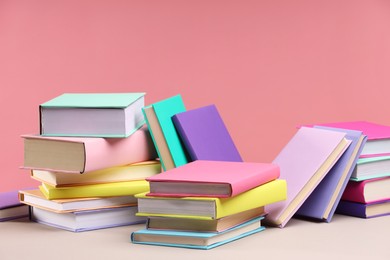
371, 168
10, 206
92, 114
196, 240
130, 172
304, 162
205, 136
212, 179
368, 191
322, 202
85, 154
364, 210
212, 208
158, 117
87, 220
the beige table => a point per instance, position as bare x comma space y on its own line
344, 238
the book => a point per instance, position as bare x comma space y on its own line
205, 136
85, 154
368, 191
364, 210
130, 172
87, 220
378, 136
92, 114
212, 208
322, 202
371, 168
212, 179
195, 240
35, 198
128, 188
158, 117
10, 206
304, 161
203, 225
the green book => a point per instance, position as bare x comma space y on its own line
158, 118
371, 167
92, 115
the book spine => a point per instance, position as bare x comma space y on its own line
184, 139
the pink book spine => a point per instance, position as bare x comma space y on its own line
354, 192
109, 152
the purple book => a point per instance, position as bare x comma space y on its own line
9, 199
10, 206
360, 210
205, 135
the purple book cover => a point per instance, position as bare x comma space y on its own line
9, 199
328, 192
205, 135
361, 210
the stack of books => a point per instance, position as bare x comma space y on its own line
92, 156
204, 204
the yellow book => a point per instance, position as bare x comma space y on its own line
95, 190
212, 208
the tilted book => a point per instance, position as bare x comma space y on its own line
212, 179
364, 210
158, 118
368, 191
304, 162
92, 114
205, 136
322, 202
196, 240
212, 208
84, 154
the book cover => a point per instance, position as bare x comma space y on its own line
87, 220
196, 240
205, 136
212, 178
84, 154
10, 206
304, 162
92, 114
95, 190
322, 202
371, 168
158, 118
364, 210
368, 191
212, 208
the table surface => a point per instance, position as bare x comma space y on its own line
344, 238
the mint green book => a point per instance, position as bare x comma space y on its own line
92, 115
158, 118
371, 167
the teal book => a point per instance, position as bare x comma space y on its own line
371, 167
158, 118
92, 115
196, 240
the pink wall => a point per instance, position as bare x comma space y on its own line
267, 65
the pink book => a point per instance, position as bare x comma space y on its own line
304, 162
367, 191
203, 178
84, 154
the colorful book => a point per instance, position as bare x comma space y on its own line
368, 191
85, 154
304, 162
130, 172
158, 117
205, 136
322, 202
35, 198
212, 179
92, 114
378, 136
128, 188
10, 206
363, 210
212, 208
203, 225
196, 240
371, 168
87, 220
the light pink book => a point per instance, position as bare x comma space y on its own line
204, 178
304, 162
368, 191
85, 154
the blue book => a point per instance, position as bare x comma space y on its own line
196, 240
322, 202
364, 210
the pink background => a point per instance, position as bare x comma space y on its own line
267, 65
